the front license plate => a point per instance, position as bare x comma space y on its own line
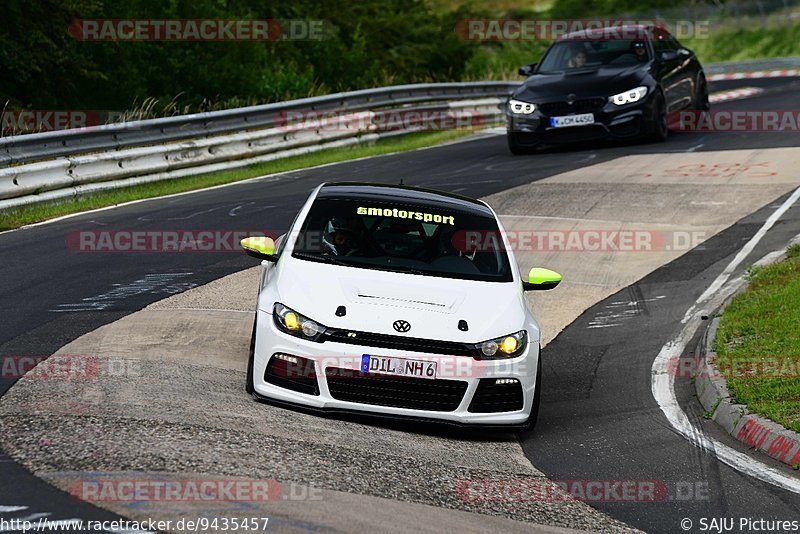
572, 120
397, 366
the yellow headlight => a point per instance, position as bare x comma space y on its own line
509, 345
291, 321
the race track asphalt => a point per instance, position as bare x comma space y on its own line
599, 420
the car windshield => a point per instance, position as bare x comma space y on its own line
591, 54
401, 237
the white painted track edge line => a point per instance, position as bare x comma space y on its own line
663, 382
748, 248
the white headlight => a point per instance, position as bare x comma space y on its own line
518, 107
489, 348
629, 97
311, 329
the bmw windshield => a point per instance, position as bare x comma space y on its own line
402, 238
583, 54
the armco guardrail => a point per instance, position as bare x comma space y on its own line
54, 165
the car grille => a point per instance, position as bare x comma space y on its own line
586, 105
448, 348
300, 376
491, 397
395, 391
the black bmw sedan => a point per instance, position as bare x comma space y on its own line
620, 82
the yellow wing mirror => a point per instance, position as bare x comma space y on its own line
260, 247
540, 279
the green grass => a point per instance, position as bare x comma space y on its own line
15, 218
754, 43
501, 60
496, 7
760, 331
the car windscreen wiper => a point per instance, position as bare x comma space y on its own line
398, 269
321, 258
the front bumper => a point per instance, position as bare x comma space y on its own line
611, 122
334, 364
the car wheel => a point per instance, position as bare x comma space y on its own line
701, 98
248, 385
516, 148
660, 129
530, 424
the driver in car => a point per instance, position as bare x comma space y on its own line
639, 50
343, 237
578, 59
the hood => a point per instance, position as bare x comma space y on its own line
376, 299
584, 83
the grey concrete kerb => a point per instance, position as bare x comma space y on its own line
753, 430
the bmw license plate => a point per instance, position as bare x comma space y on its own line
572, 120
397, 366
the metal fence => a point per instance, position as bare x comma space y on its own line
60, 164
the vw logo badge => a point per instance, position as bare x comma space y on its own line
401, 326
571, 98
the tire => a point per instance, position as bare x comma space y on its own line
518, 149
660, 131
701, 102
249, 387
530, 424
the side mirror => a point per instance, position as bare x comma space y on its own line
260, 247
669, 55
527, 70
540, 279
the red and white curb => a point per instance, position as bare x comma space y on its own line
663, 378
734, 94
781, 73
754, 431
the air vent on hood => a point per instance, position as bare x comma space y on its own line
401, 300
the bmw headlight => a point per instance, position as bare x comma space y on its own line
518, 107
628, 97
503, 347
295, 324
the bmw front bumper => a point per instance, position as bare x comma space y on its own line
610, 122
